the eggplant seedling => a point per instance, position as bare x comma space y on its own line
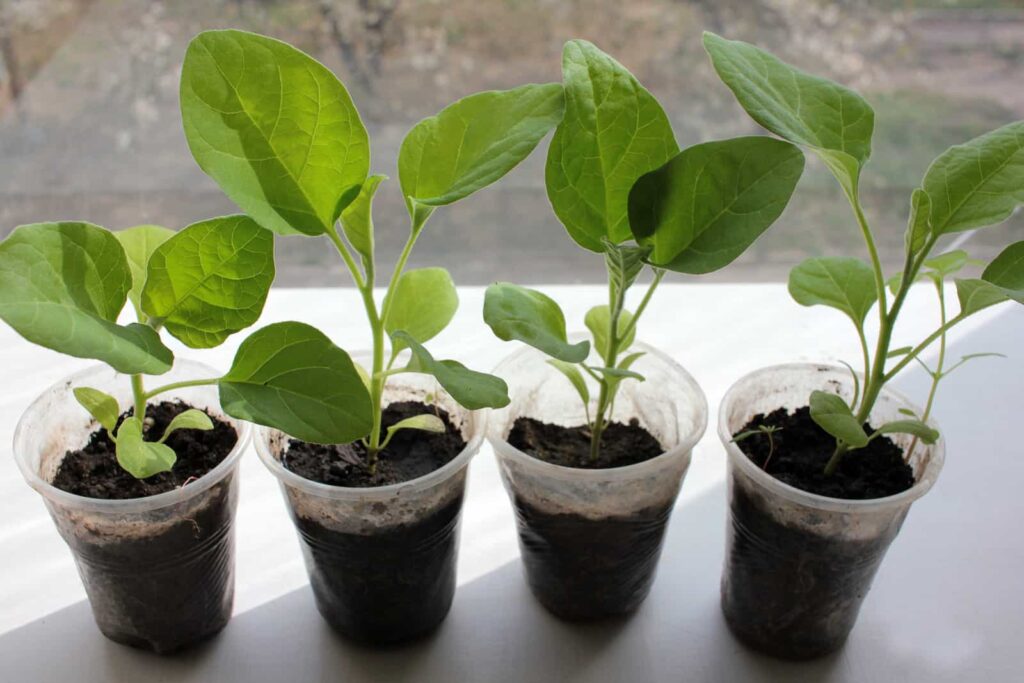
974, 185
281, 136
621, 186
768, 432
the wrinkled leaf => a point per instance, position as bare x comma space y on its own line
613, 132
710, 202
624, 264
188, 419
914, 427
290, 376
274, 128
598, 321
470, 389
1007, 271
517, 313
103, 407
140, 458
831, 413
425, 302
843, 283
575, 377
139, 244
918, 229
62, 286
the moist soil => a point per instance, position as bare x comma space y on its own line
581, 568
787, 592
168, 590
397, 585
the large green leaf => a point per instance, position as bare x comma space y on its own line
710, 202
274, 127
62, 286
290, 376
475, 141
470, 389
613, 132
978, 183
424, 303
831, 413
138, 457
357, 218
139, 244
210, 280
1007, 271
843, 283
832, 120
599, 321
529, 316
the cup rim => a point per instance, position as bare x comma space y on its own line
124, 505
683, 449
739, 459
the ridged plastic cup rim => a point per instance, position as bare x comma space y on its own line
739, 459
682, 449
125, 505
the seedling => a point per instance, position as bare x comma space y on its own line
63, 286
280, 135
619, 184
969, 186
767, 431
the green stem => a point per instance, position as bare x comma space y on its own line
876, 263
937, 334
139, 397
346, 256
179, 385
937, 374
658, 275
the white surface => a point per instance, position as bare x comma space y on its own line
948, 604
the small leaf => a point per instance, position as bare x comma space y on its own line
103, 407
290, 376
618, 373
978, 183
598, 321
526, 315
908, 412
140, 458
574, 376
139, 244
475, 141
188, 419
613, 132
425, 422
915, 427
624, 263
1007, 271
975, 295
846, 284
707, 204
901, 351
274, 128
470, 389
425, 302
357, 218
918, 229
948, 263
831, 413
210, 280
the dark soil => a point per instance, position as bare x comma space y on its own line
621, 445
411, 453
802, 449
396, 585
93, 471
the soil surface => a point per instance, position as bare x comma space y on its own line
411, 453
621, 444
797, 454
93, 471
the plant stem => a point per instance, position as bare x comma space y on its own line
139, 397
937, 374
179, 385
937, 334
658, 275
876, 263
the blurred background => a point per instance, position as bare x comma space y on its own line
90, 129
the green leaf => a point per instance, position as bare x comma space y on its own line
425, 422
274, 127
843, 283
831, 413
944, 265
613, 132
470, 389
710, 202
139, 243
1007, 271
425, 302
833, 121
62, 286
979, 183
140, 458
915, 427
474, 142
976, 295
598, 321
188, 419
575, 377
290, 376
617, 373
210, 280
103, 407
907, 412
526, 315
918, 229
357, 218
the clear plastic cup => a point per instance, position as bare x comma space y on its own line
591, 538
159, 570
382, 560
798, 565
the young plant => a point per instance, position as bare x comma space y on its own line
63, 286
969, 186
619, 184
280, 135
766, 431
